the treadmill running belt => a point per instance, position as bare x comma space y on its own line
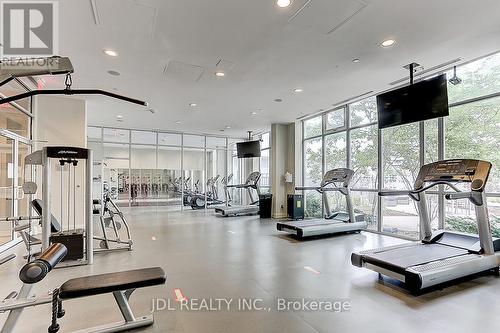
310, 223
397, 260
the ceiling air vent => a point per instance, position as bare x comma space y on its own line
353, 98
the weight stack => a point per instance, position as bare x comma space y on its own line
74, 241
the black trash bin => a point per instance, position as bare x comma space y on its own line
295, 206
265, 205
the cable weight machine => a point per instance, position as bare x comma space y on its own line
76, 220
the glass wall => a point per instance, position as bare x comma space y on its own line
162, 169
15, 133
349, 137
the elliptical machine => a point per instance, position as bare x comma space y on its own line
211, 196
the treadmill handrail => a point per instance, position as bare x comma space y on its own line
458, 195
393, 193
309, 188
417, 191
241, 186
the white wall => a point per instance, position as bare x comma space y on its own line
62, 121
286, 156
282, 161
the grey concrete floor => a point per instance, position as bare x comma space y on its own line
233, 258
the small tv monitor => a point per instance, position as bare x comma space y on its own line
420, 101
248, 149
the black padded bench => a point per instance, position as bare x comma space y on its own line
122, 285
107, 283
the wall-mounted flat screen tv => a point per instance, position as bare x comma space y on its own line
248, 149
420, 101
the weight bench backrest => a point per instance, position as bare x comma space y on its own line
111, 282
37, 205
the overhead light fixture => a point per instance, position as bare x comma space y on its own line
193, 105
254, 113
114, 73
455, 80
298, 90
178, 122
111, 53
356, 60
220, 74
119, 118
283, 3
278, 100
228, 127
388, 43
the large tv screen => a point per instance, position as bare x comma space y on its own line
248, 149
420, 101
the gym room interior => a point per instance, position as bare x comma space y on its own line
306, 166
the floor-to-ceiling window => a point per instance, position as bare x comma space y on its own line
264, 162
391, 158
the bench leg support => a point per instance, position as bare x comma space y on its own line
130, 321
121, 298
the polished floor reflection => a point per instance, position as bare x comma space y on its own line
207, 257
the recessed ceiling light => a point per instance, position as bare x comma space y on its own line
283, 3
114, 73
193, 105
111, 53
356, 60
254, 113
298, 90
228, 127
388, 43
278, 100
220, 74
178, 122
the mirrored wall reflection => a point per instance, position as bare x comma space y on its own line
194, 175
115, 165
169, 178
162, 170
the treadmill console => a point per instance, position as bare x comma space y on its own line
341, 175
475, 172
253, 178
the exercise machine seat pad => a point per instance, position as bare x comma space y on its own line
107, 283
55, 226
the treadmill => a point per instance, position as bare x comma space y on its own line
334, 222
251, 185
441, 256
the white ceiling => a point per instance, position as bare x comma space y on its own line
168, 52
